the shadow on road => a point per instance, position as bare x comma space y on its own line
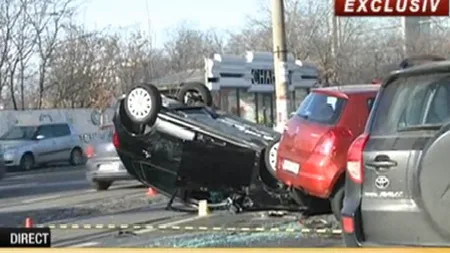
31, 190
58, 188
64, 166
72, 215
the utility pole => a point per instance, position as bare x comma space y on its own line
334, 33
280, 64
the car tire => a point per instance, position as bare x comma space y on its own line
142, 104
270, 156
336, 202
101, 185
199, 88
26, 162
76, 157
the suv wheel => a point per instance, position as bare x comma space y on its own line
101, 185
336, 202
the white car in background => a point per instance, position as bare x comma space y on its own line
29, 146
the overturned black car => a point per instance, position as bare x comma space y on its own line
186, 149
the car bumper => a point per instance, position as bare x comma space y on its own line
315, 175
352, 232
11, 161
95, 170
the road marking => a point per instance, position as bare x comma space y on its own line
84, 245
170, 224
28, 201
167, 227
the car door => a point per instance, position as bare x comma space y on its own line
45, 147
399, 132
63, 142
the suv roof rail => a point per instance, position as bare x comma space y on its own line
418, 60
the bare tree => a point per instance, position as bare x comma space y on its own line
81, 69
187, 48
139, 61
22, 43
10, 11
47, 19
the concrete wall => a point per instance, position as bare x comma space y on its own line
87, 123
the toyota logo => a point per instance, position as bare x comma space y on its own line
381, 182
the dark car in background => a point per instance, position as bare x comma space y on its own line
104, 166
397, 188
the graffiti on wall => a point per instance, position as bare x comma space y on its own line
45, 118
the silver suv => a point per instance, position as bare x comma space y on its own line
28, 146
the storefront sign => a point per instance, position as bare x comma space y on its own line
266, 76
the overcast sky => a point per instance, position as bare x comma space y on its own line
163, 15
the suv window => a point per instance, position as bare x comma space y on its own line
321, 108
411, 102
61, 130
46, 131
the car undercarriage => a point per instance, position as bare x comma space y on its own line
193, 152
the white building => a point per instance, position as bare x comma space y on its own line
245, 84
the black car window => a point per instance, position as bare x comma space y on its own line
411, 102
61, 130
321, 108
46, 131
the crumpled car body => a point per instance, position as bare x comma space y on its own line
192, 151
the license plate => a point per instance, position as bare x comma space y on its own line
291, 166
110, 167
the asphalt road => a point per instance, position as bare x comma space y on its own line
55, 180
124, 216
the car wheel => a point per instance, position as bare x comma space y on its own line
101, 185
270, 156
192, 93
336, 202
76, 157
27, 162
142, 104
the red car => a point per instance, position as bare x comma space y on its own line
312, 153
